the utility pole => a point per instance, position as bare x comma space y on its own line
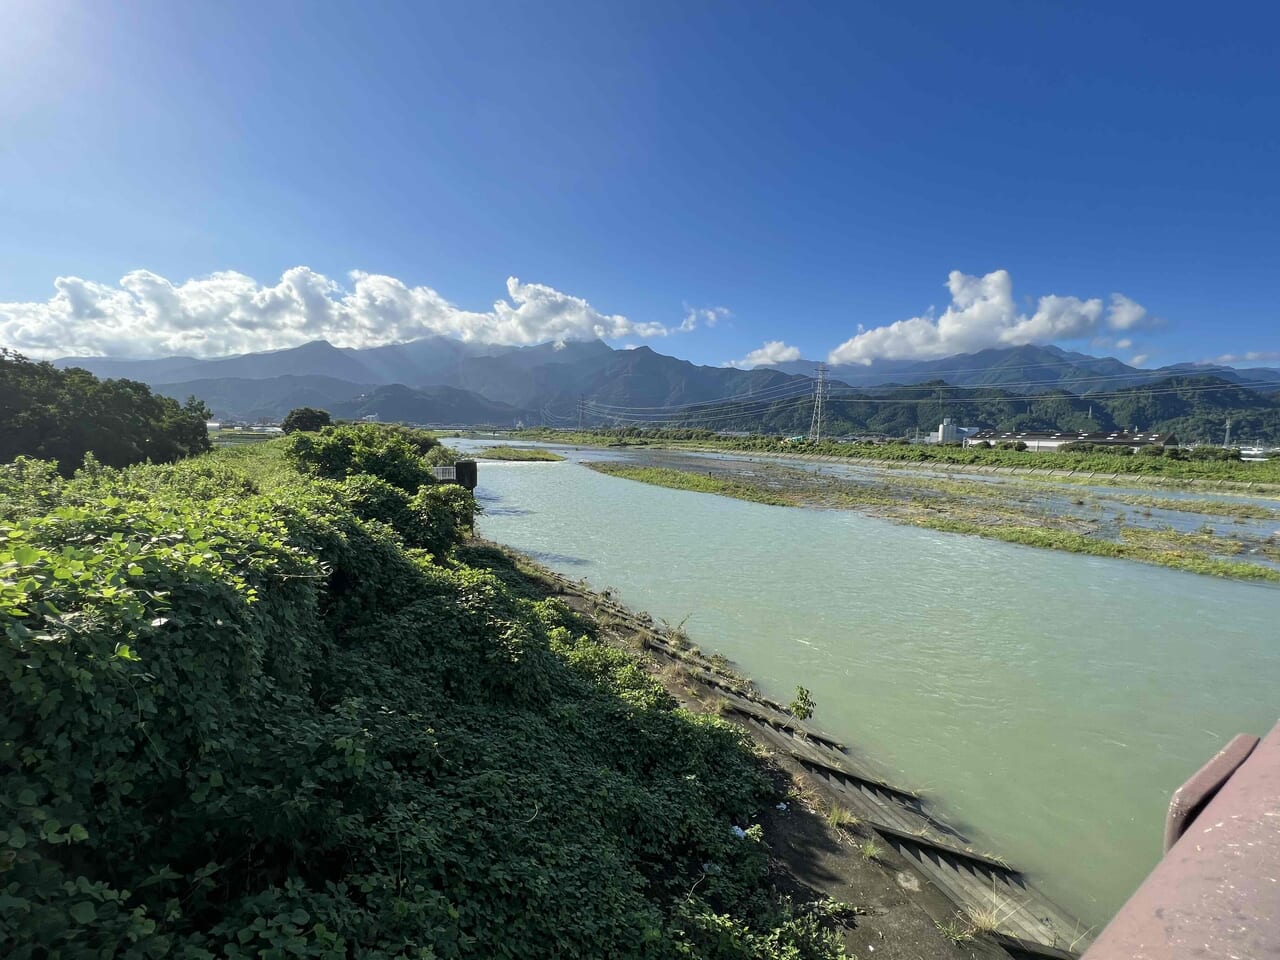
819, 394
1227, 442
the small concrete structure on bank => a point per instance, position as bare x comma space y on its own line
464, 473
1043, 441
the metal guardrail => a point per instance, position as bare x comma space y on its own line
1216, 893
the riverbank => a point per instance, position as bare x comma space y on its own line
915, 886
995, 511
1172, 471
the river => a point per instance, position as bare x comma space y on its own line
1048, 702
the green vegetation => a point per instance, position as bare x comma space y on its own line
802, 706
956, 929
1195, 408
1164, 548
840, 817
305, 418
1220, 508
268, 703
520, 453
697, 482
227, 438
64, 414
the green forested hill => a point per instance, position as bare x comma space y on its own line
1194, 408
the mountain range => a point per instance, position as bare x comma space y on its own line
1031, 369
443, 381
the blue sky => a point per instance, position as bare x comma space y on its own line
804, 168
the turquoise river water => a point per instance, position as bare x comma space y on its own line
1048, 702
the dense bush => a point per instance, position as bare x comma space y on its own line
305, 418
242, 720
63, 414
393, 454
1214, 453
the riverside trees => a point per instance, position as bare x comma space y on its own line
61, 415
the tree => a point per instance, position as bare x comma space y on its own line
305, 418
61, 415
802, 706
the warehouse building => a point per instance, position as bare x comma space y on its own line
1041, 442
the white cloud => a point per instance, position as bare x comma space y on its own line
226, 313
774, 351
1125, 314
982, 314
1253, 356
707, 316
1139, 360
1124, 344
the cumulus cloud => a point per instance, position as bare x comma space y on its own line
982, 314
226, 313
1125, 314
774, 351
1253, 356
707, 316
1139, 360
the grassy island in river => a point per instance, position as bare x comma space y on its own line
533, 454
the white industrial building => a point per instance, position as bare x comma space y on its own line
948, 432
1041, 441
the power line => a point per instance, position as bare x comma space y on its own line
803, 384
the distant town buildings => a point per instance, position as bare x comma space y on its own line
1043, 441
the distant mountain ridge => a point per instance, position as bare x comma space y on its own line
1195, 409
1032, 369
543, 383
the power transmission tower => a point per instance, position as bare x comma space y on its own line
582, 406
819, 394
1227, 441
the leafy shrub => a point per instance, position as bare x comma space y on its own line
336, 453
444, 513
1214, 453
802, 706
305, 418
242, 721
